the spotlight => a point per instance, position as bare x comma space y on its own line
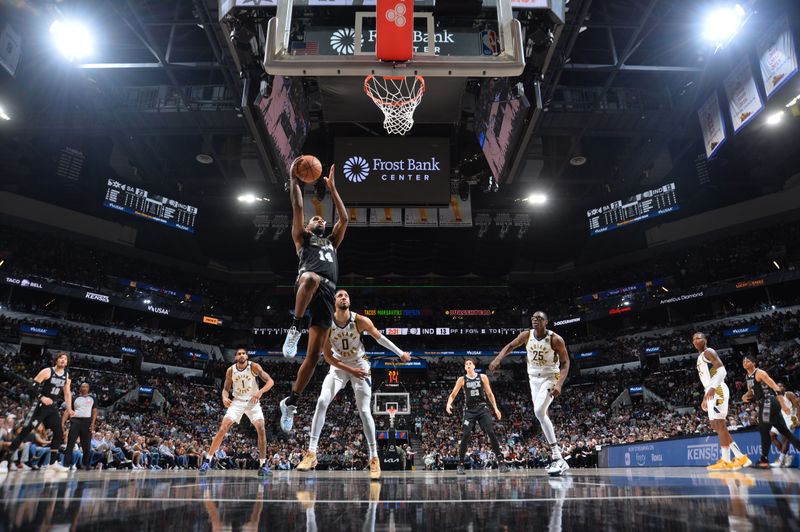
251, 198
72, 39
146, 301
536, 199
775, 118
723, 23
775, 263
3, 114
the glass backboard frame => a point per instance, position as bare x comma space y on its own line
510, 62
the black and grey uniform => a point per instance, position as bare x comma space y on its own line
476, 409
769, 415
52, 387
79, 427
318, 255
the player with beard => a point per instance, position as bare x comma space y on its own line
241, 376
345, 352
315, 286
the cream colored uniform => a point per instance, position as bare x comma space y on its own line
544, 370
717, 405
245, 386
347, 347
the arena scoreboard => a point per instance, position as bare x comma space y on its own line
648, 204
140, 202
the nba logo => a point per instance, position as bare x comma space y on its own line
489, 42
627, 459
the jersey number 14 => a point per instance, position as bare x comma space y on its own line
323, 256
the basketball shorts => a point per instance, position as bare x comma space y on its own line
240, 407
718, 405
322, 304
361, 387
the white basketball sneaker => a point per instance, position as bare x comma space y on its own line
290, 344
557, 467
287, 416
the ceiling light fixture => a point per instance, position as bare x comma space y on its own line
72, 39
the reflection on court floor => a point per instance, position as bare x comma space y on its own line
610, 499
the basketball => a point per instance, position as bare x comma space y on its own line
308, 168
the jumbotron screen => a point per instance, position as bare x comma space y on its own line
648, 204
140, 202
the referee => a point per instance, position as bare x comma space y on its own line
81, 425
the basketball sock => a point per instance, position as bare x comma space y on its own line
292, 399
261, 461
296, 322
725, 452
206, 459
312, 444
555, 451
736, 452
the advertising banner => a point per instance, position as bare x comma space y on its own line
684, 452
393, 171
457, 214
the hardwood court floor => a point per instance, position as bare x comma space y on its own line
673, 499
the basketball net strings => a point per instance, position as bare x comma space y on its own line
398, 99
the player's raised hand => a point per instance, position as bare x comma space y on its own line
405, 357
329, 182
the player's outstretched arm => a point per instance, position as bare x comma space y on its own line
337, 235
296, 196
365, 324
521, 339
560, 347
490, 396
454, 394
764, 377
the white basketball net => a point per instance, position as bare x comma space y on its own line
398, 98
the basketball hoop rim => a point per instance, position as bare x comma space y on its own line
411, 100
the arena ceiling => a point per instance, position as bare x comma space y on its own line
621, 85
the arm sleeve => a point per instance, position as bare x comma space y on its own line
717, 379
388, 344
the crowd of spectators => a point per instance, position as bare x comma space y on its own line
94, 340
134, 433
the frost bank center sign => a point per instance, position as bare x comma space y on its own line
394, 171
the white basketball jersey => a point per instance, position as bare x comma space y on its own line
245, 385
542, 359
706, 370
346, 341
